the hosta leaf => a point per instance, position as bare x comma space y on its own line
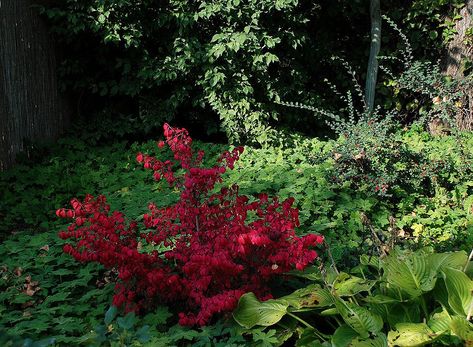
463, 329
409, 272
348, 285
309, 338
311, 296
359, 318
370, 261
372, 341
251, 311
412, 335
440, 292
381, 299
459, 288
343, 336
403, 312
456, 260
329, 312
440, 322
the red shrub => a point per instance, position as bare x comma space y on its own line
215, 245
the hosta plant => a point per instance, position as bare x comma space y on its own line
403, 299
200, 254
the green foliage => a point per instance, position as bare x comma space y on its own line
32, 191
149, 62
437, 214
408, 299
427, 19
431, 95
210, 55
44, 293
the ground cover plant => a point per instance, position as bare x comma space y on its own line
303, 169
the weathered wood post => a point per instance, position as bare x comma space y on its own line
31, 106
460, 51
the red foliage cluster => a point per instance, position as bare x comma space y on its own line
215, 246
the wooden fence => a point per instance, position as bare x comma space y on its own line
31, 106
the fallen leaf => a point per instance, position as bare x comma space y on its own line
359, 156
27, 304
30, 287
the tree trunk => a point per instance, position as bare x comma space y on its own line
31, 107
459, 51
372, 71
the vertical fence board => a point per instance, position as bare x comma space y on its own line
31, 107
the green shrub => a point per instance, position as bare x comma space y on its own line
147, 62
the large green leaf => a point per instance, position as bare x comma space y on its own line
310, 338
343, 336
251, 311
411, 335
359, 318
463, 329
381, 299
456, 260
404, 312
440, 292
440, 322
459, 288
370, 261
373, 341
348, 285
311, 296
411, 273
